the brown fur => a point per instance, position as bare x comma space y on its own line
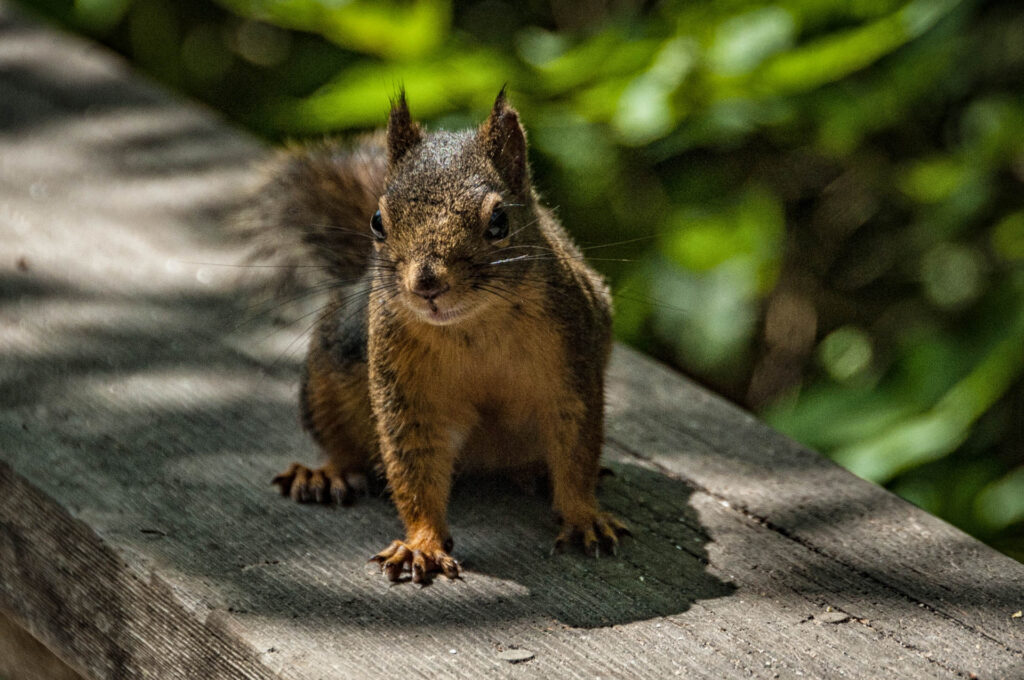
514, 379
316, 197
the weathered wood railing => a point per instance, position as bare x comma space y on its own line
139, 536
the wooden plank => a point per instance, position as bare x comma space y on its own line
813, 502
142, 414
22, 657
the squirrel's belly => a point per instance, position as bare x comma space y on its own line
497, 446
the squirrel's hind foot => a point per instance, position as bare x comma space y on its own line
320, 485
598, 534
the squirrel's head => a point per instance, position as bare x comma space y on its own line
457, 209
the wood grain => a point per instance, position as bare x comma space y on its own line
144, 409
22, 657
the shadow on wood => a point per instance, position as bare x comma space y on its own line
183, 450
660, 570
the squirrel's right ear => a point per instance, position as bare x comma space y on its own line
403, 132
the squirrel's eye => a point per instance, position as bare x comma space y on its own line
497, 227
377, 226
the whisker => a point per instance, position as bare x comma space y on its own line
346, 230
561, 257
525, 226
494, 291
256, 266
621, 243
362, 307
648, 300
509, 259
311, 291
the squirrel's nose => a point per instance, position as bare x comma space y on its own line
429, 287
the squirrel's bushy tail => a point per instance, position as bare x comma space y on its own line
309, 219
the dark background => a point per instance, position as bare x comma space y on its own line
815, 208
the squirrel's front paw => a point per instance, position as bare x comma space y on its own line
597, 533
422, 558
322, 485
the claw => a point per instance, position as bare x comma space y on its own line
341, 493
318, 486
393, 571
599, 535
386, 553
283, 481
450, 568
421, 563
564, 538
299, 481
322, 485
419, 566
620, 528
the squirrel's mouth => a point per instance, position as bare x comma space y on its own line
441, 316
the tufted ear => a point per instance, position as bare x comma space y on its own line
403, 132
504, 142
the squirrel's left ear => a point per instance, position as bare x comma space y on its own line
403, 133
504, 141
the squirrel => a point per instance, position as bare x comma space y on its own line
464, 331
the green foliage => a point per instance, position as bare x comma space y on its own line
814, 207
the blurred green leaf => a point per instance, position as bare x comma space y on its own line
1001, 503
100, 16
358, 99
952, 274
645, 109
573, 143
934, 180
744, 41
836, 56
846, 353
388, 28
750, 231
938, 431
605, 55
1008, 237
708, 318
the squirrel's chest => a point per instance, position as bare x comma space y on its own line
495, 387
511, 389
510, 375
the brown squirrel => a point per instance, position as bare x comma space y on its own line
465, 332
